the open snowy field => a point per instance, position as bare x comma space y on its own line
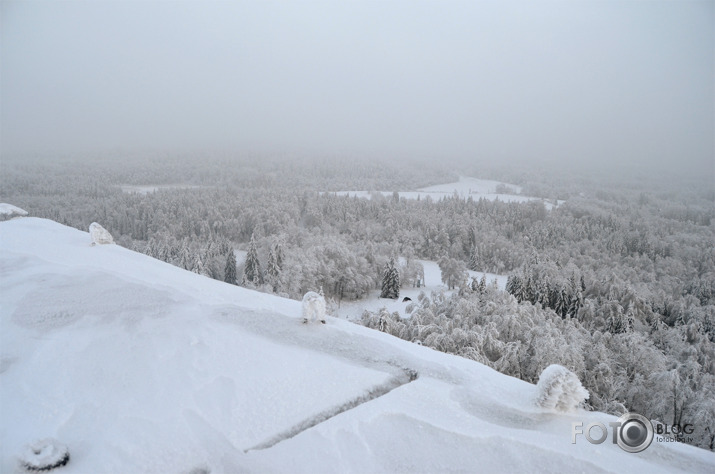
148, 189
464, 188
138, 366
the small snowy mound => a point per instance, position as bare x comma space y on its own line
44, 455
100, 235
559, 389
313, 307
8, 211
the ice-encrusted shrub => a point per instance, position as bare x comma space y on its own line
313, 307
559, 389
44, 455
100, 235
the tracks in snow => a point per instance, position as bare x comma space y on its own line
404, 377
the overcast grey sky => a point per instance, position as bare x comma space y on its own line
623, 80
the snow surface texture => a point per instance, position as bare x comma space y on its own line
560, 390
8, 211
313, 307
138, 366
100, 235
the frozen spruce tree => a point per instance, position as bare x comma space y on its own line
230, 269
252, 273
560, 390
198, 266
273, 267
474, 259
390, 281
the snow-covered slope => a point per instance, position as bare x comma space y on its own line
138, 366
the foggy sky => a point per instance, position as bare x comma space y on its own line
608, 81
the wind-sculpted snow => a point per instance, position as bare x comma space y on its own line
138, 366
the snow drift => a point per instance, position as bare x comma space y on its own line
138, 366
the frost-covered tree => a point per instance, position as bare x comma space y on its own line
453, 272
560, 390
197, 266
230, 268
390, 281
252, 273
474, 263
273, 266
185, 260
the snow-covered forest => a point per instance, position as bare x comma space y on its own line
617, 283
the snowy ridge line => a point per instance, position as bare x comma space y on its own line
407, 376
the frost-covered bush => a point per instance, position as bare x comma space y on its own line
313, 307
8, 211
559, 389
99, 234
44, 455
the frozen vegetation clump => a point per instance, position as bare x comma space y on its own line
44, 455
313, 307
99, 234
8, 211
560, 390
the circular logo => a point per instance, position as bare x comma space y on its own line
635, 433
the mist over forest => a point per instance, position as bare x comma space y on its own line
320, 146
514, 82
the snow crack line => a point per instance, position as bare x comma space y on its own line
406, 376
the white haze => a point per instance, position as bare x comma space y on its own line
558, 81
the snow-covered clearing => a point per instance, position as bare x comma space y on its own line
353, 310
152, 188
464, 188
138, 366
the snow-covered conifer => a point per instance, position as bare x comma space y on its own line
390, 281
273, 268
185, 260
230, 269
474, 259
252, 273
